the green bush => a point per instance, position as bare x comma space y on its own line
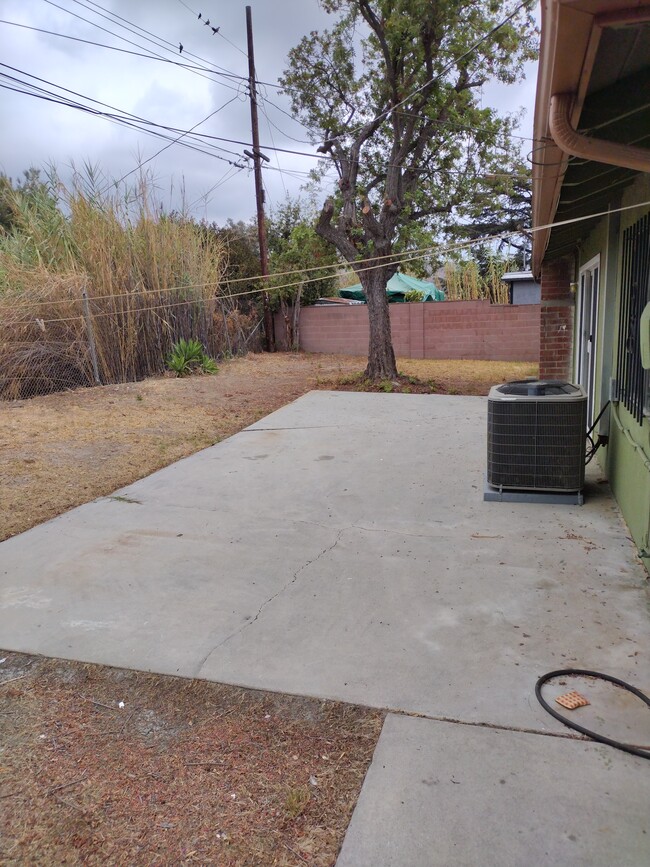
188, 356
414, 296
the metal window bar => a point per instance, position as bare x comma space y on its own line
633, 380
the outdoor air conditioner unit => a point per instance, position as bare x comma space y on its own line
536, 436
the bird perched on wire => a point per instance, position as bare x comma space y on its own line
207, 23
215, 30
180, 47
199, 16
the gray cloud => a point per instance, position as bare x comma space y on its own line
37, 132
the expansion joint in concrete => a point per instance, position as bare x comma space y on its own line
495, 726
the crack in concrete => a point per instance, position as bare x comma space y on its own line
399, 532
268, 601
377, 529
394, 422
295, 427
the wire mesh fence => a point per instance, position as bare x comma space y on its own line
70, 338
97, 285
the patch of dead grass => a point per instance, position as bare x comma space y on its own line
466, 376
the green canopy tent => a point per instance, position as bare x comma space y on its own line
398, 286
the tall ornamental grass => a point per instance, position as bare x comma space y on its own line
466, 282
150, 280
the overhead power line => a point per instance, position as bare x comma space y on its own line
234, 76
147, 127
396, 258
147, 56
122, 112
217, 31
172, 45
197, 140
130, 41
173, 142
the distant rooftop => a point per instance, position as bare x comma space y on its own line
514, 276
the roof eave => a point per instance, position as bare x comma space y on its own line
562, 68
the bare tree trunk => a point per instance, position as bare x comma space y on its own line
296, 320
288, 332
381, 358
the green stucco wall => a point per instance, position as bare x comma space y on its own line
626, 460
628, 469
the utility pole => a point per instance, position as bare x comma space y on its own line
259, 189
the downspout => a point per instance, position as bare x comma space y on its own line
583, 146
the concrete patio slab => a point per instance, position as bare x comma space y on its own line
440, 794
339, 548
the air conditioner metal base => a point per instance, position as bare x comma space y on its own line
567, 498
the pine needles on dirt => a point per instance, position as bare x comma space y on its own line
106, 766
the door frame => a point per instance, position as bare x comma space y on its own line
586, 349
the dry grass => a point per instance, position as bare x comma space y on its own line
465, 282
149, 279
187, 772
467, 377
439, 377
61, 450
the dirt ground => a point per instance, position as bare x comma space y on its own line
65, 449
184, 772
102, 766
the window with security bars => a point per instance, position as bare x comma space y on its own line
633, 380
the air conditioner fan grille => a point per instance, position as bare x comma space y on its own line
536, 444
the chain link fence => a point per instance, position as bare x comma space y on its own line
69, 338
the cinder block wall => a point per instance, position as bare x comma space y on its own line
441, 329
556, 320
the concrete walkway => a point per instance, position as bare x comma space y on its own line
340, 548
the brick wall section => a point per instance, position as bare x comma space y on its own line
441, 329
556, 320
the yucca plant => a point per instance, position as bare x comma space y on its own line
188, 356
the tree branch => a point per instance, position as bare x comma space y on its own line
333, 234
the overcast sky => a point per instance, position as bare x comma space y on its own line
35, 132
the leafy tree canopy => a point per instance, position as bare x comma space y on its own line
242, 257
392, 95
501, 207
295, 246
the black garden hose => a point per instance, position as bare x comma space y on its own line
568, 672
